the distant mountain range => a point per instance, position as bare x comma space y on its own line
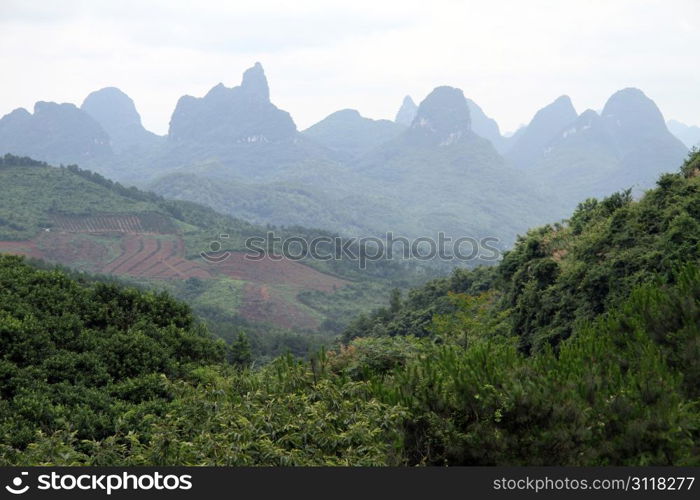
349, 135
60, 132
442, 165
117, 115
592, 155
689, 134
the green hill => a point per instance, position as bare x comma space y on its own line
580, 349
83, 354
33, 191
559, 275
79, 219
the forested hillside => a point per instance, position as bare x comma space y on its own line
560, 274
79, 219
581, 348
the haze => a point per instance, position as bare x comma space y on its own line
511, 57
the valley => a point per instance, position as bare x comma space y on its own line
90, 224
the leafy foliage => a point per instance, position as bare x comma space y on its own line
78, 356
581, 348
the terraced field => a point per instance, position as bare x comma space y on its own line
147, 223
152, 257
83, 221
148, 247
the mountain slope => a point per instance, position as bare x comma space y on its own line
688, 134
486, 127
627, 146
407, 112
559, 275
582, 348
528, 149
351, 135
59, 133
82, 220
446, 178
586, 335
116, 113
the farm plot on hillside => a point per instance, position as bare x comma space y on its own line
154, 257
146, 223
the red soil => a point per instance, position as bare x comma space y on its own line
162, 257
270, 271
26, 248
149, 257
81, 252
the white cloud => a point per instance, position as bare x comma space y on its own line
511, 57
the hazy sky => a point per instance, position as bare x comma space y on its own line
511, 57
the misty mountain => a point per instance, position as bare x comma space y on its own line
688, 134
481, 124
116, 113
436, 175
236, 133
234, 150
443, 118
643, 142
486, 127
350, 135
242, 114
60, 133
443, 176
528, 148
407, 112
627, 146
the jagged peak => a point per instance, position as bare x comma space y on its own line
560, 107
241, 114
407, 112
254, 82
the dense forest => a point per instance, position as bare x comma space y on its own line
582, 347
